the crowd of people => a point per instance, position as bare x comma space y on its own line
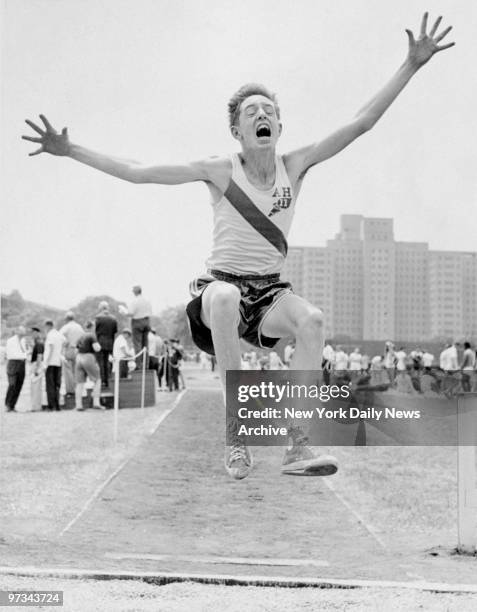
417, 370
66, 360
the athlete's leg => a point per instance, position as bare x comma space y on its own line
294, 316
220, 312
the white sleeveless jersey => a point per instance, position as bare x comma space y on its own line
238, 248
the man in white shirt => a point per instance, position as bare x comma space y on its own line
72, 332
448, 358
400, 359
341, 359
427, 359
140, 311
122, 352
355, 360
155, 346
16, 357
274, 361
288, 354
52, 361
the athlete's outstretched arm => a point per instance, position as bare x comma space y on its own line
419, 53
56, 143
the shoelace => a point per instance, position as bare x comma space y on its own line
237, 453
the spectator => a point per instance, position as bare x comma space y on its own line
122, 353
448, 358
427, 359
341, 359
288, 354
72, 332
355, 360
106, 328
16, 357
468, 367
254, 361
365, 363
140, 312
274, 361
155, 348
87, 366
36, 369
173, 362
416, 357
400, 359
52, 364
389, 360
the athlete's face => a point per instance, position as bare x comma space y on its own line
258, 125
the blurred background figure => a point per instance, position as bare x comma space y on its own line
72, 332
36, 373
123, 352
16, 353
106, 328
52, 361
140, 311
87, 367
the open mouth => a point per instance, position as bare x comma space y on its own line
263, 130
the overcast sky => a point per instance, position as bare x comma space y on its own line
150, 80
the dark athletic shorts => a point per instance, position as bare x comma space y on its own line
259, 295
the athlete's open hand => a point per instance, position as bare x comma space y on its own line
49, 139
422, 49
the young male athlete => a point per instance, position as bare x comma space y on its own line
253, 197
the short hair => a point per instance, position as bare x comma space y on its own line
137, 289
247, 90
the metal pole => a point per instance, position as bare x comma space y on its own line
144, 355
467, 499
116, 400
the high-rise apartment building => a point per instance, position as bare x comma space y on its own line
372, 287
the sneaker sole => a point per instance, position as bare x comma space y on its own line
312, 467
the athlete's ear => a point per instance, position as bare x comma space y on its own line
235, 132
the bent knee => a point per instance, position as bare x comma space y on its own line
220, 299
310, 323
224, 296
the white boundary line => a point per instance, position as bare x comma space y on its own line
369, 528
103, 485
230, 580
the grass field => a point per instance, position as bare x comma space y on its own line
389, 513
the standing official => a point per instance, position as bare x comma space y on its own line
140, 311
16, 357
